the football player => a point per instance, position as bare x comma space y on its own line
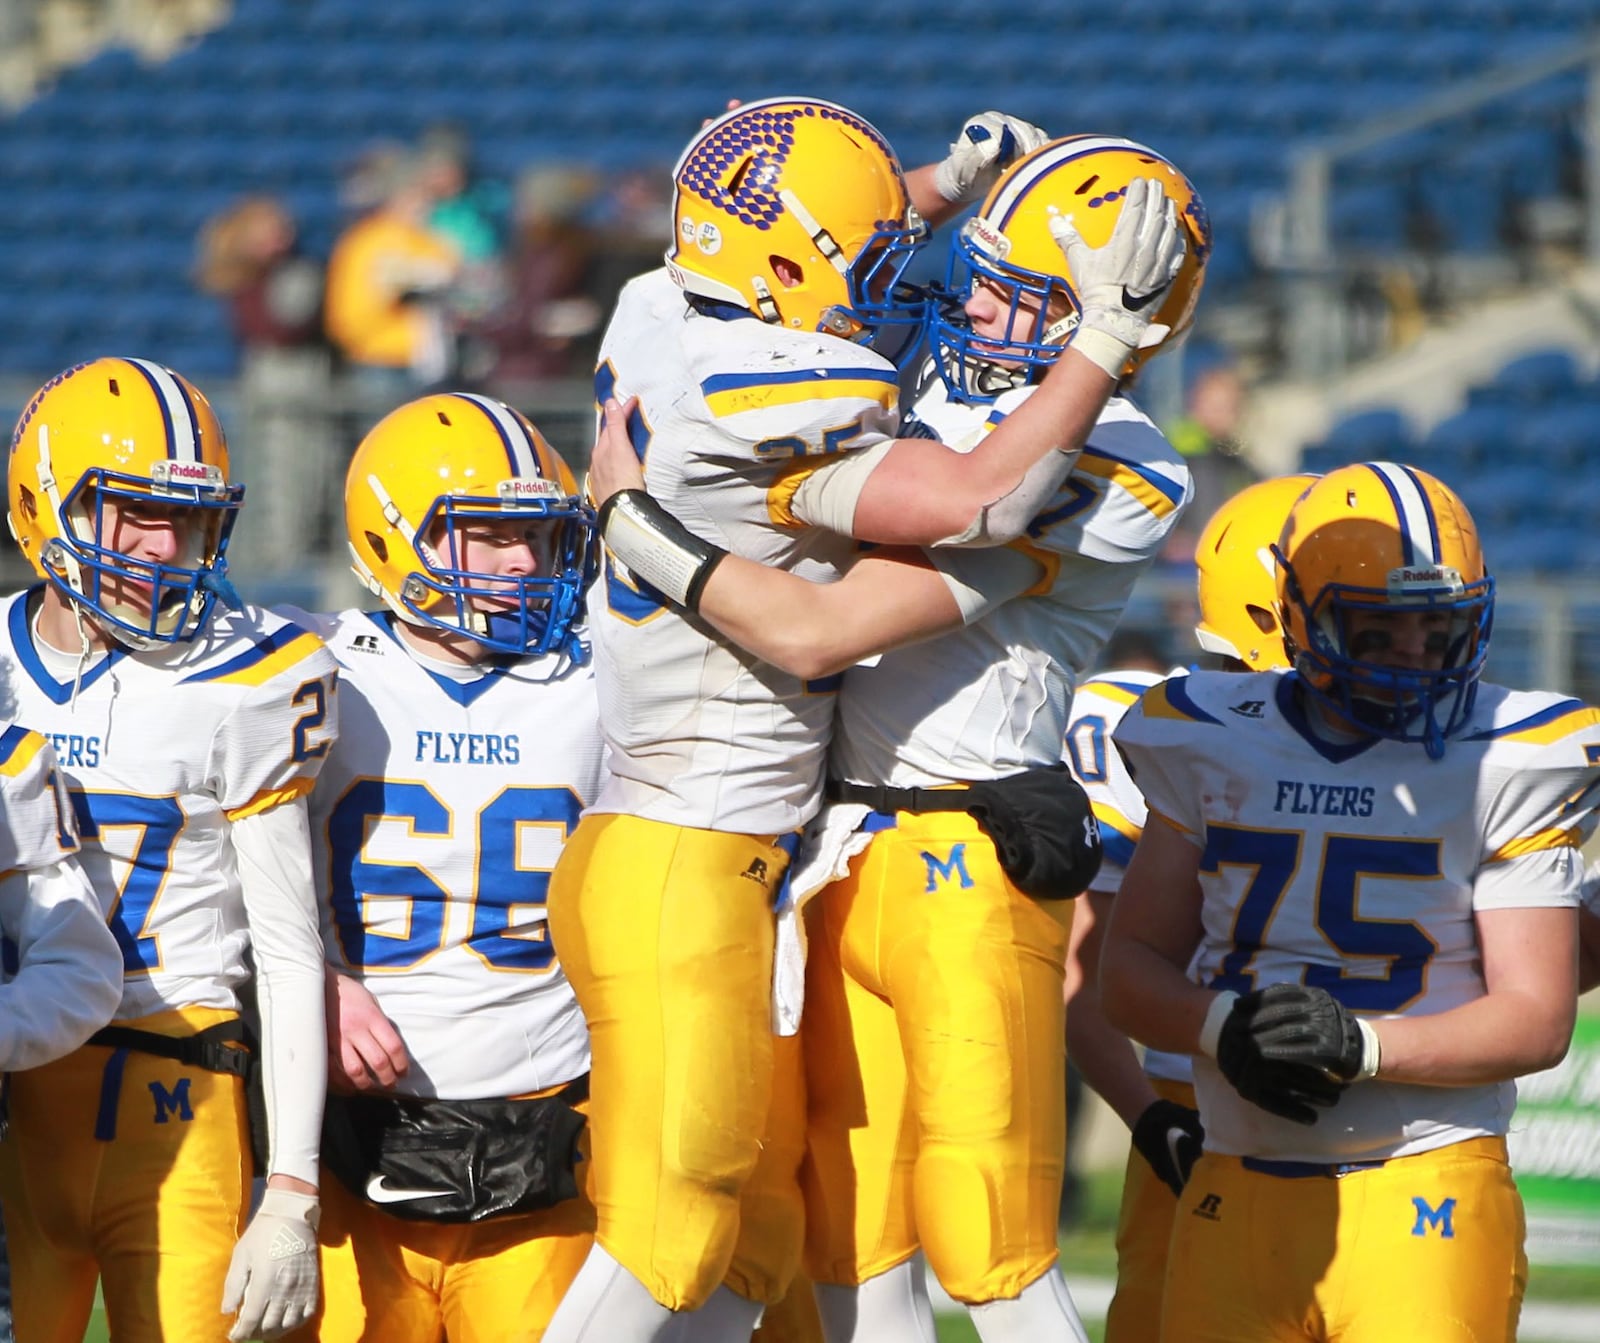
763, 422
1238, 630
63, 974
450, 1207
1589, 933
933, 1028
188, 729
1354, 901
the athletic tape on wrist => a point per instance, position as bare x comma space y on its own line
657, 548
1216, 1016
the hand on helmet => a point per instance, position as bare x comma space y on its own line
1121, 283
986, 145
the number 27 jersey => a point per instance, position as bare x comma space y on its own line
1360, 868
161, 752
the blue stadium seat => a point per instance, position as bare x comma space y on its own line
1563, 437
1471, 438
1537, 379
1371, 435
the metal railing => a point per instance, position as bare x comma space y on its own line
1312, 266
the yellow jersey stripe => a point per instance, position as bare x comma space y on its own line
1162, 816
18, 747
261, 670
1110, 690
1542, 734
266, 800
1106, 814
1536, 843
761, 396
1169, 699
781, 493
1151, 491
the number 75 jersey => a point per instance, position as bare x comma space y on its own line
1360, 868
162, 751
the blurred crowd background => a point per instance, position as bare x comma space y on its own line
318, 208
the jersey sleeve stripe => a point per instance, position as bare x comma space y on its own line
1535, 843
266, 800
1158, 494
781, 493
1115, 692
1169, 699
261, 662
18, 746
738, 394
1548, 725
1180, 828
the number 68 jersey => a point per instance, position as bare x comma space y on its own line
435, 826
1359, 868
161, 751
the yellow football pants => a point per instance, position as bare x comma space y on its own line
934, 1040
388, 1280
152, 1208
696, 1112
1425, 1248
794, 1319
1144, 1228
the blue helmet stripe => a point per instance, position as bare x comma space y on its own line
1427, 509
1419, 530
147, 370
1048, 161
521, 454
177, 410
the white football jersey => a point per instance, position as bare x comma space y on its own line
1118, 806
731, 413
992, 698
60, 968
1359, 868
435, 825
161, 750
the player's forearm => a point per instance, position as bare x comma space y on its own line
921, 186
1491, 1039
920, 495
1588, 950
795, 625
1149, 998
1103, 1055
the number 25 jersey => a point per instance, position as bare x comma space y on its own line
162, 751
1359, 868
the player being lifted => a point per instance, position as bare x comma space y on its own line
933, 1029
1354, 903
190, 729
763, 423
1239, 630
450, 1205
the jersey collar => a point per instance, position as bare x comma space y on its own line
58, 692
1294, 714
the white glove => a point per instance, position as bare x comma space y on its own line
985, 146
1120, 284
272, 1280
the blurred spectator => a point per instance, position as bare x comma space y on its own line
546, 309
388, 283
633, 225
1206, 433
286, 451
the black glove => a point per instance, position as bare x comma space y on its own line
1296, 1023
1291, 1091
1169, 1137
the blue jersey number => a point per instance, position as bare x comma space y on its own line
633, 602
1086, 744
1275, 857
502, 926
157, 821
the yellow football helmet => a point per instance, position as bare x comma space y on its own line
796, 210
1007, 245
1364, 547
438, 463
1237, 577
136, 436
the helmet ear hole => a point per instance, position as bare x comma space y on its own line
791, 274
380, 547
27, 503
1266, 622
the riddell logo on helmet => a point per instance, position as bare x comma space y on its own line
987, 238
1433, 579
529, 488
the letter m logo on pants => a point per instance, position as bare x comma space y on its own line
947, 869
174, 1102
1442, 1217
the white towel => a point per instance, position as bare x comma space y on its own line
831, 840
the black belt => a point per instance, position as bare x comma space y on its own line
210, 1048
881, 797
1308, 1170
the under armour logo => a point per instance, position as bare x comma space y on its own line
757, 871
1091, 832
364, 643
1250, 708
1210, 1208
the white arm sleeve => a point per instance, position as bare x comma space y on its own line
829, 495
68, 982
981, 580
274, 854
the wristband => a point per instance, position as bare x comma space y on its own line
1103, 350
657, 548
1216, 1015
1371, 1051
